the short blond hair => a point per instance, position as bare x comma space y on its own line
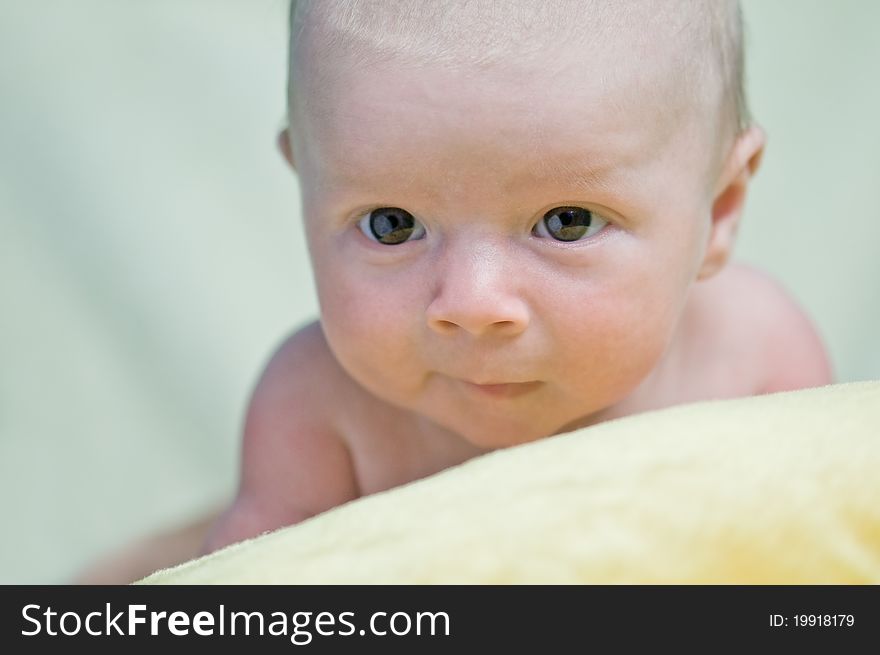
479, 32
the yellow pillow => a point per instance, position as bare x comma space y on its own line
780, 489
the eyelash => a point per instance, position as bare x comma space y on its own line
362, 222
567, 209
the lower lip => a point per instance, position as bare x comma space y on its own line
512, 390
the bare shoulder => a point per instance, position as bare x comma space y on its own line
295, 382
294, 462
750, 308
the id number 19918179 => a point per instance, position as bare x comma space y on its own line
812, 621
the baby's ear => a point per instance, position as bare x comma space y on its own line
741, 163
283, 142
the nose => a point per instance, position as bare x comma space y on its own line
478, 293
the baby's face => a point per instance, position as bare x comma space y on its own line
505, 252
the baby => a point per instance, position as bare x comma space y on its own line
519, 216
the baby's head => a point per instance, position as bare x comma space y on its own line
514, 193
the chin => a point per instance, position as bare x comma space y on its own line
494, 436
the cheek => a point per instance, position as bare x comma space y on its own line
615, 333
370, 322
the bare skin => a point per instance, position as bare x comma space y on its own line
377, 446
727, 346
482, 329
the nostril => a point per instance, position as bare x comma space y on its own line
479, 316
506, 327
442, 325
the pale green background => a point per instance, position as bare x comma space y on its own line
151, 254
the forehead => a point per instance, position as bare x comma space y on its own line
607, 92
541, 119
657, 41
429, 114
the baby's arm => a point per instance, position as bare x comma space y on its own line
295, 464
146, 555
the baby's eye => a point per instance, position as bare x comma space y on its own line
569, 224
391, 226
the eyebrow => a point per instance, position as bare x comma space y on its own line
571, 171
574, 172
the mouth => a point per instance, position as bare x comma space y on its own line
502, 390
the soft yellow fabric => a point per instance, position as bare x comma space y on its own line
771, 489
